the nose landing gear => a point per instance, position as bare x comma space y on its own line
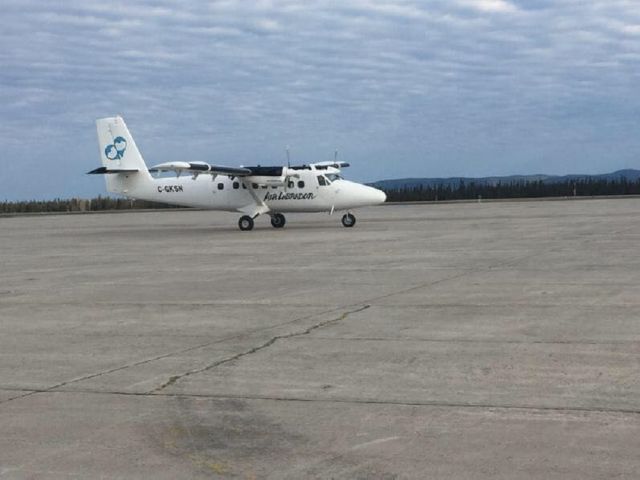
348, 220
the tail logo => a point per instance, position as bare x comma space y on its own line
116, 150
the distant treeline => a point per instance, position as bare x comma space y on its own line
523, 189
77, 205
440, 192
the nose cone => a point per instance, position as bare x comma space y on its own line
353, 195
375, 196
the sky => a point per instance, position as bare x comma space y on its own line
401, 88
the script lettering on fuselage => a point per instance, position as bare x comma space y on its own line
170, 189
269, 197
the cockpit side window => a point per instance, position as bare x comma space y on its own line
332, 177
322, 181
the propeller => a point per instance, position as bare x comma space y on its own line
289, 173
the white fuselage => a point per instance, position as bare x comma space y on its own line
303, 194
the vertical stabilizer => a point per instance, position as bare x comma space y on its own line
118, 151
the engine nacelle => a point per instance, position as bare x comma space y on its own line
264, 180
271, 176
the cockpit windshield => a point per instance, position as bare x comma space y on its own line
333, 177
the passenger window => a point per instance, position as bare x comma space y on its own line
236, 185
264, 186
274, 187
322, 181
300, 184
221, 186
254, 185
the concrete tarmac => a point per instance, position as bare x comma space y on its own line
459, 341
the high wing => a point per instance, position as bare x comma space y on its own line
334, 164
196, 168
272, 176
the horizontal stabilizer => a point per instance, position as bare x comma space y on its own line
105, 170
200, 167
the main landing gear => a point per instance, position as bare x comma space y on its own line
246, 222
348, 220
278, 220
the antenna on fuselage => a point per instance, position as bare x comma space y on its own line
335, 155
288, 157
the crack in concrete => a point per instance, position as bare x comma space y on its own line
160, 357
17, 397
175, 378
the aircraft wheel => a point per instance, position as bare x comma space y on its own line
278, 220
245, 223
348, 220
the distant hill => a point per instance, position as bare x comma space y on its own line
407, 183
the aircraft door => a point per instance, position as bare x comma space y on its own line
324, 190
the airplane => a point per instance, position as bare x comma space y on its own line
252, 191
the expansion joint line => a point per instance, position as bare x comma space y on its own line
172, 380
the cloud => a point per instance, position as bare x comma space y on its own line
401, 87
501, 6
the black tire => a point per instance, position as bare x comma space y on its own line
245, 223
278, 220
348, 220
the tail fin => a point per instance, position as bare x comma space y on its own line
119, 154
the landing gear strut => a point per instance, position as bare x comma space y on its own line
278, 220
348, 220
245, 223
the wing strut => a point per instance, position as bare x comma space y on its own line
253, 209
